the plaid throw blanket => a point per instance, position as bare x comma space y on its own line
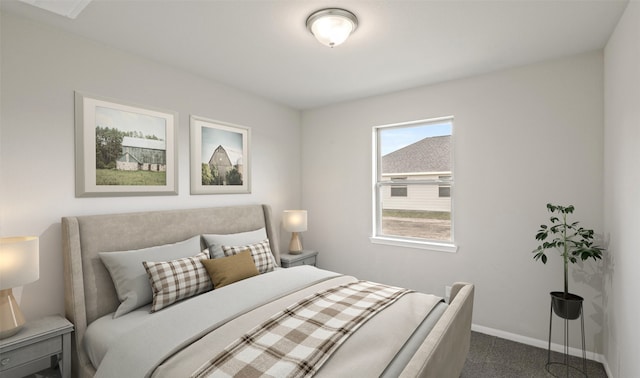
298, 340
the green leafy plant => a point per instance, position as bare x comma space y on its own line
571, 240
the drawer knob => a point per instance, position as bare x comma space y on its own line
5, 361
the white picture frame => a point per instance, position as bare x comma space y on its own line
220, 157
124, 149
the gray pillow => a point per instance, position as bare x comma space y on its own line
129, 276
215, 241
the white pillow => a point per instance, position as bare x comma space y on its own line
215, 242
129, 276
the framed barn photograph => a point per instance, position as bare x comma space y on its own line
124, 149
219, 157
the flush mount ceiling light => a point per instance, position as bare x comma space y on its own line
332, 26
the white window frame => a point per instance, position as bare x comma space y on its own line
377, 237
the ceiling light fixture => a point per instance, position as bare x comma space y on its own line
332, 26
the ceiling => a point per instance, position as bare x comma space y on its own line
263, 47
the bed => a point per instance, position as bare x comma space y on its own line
265, 323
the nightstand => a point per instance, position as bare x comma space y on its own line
307, 257
36, 346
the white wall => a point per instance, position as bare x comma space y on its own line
41, 69
621, 199
522, 138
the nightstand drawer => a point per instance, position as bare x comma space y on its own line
307, 257
17, 357
308, 261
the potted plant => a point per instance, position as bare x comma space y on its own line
573, 242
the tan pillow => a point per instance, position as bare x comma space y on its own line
227, 270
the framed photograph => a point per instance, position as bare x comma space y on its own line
124, 149
219, 157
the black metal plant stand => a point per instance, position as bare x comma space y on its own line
562, 309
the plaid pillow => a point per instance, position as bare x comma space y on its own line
172, 281
260, 252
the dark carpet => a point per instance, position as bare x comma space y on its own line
493, 357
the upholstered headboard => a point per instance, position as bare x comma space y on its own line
89, 290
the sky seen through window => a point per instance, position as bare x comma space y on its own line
395, 138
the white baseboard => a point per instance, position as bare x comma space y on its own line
544, 344
606, 368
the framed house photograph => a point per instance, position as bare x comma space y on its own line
124, 149
219, 157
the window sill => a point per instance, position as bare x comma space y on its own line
432, 246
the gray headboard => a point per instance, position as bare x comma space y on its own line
89, 290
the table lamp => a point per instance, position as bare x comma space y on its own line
19, 265
295, 221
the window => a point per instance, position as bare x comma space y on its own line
444, 190
412, 184
398, 190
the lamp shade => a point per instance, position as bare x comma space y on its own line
295, 220
19, 261
332, 26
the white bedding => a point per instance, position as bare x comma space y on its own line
106, 330
192, 316
110, 342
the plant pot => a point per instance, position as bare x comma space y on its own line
567, 307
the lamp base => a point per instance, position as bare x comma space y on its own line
11, 318
295, 245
